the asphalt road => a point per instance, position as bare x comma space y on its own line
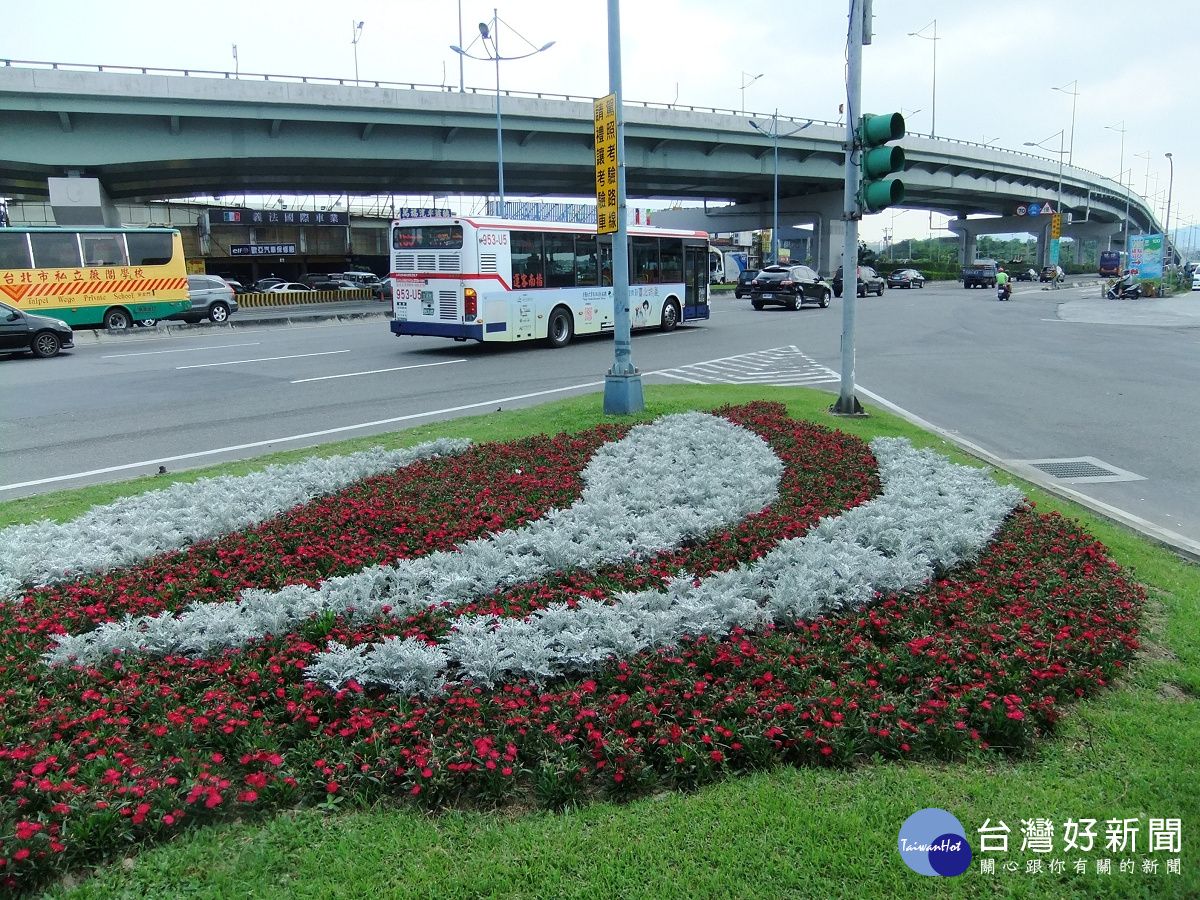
1047, 375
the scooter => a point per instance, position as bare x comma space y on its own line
1124, 290
1004, 292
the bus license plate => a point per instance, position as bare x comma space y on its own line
427, 303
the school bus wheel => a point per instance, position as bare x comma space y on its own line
117, 319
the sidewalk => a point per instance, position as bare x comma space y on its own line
300, 314
1181, 311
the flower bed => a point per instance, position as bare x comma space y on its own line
139, 746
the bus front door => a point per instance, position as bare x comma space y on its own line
695, 282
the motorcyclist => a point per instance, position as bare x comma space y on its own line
1003, 282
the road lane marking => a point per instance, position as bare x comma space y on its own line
377, 371
183, 350
483, 404
238, 362
297, 437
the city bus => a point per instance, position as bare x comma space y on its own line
492, 279
94, 277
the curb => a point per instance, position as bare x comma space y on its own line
105, 336
1176, 543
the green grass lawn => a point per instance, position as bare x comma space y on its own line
1133, 751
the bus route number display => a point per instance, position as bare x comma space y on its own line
604, 117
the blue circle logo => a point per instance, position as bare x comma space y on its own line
933, 842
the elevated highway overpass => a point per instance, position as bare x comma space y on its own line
156, 134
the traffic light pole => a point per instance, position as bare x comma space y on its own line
847, 404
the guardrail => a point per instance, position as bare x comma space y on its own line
302, 297
540, 95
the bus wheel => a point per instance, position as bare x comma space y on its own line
116, 319
670, 316
559, 330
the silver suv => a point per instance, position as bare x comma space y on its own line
211, 298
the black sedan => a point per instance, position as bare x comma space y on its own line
869, 282
790, 286
906, 278
42, 336
742, 289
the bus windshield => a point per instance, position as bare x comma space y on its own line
427, 237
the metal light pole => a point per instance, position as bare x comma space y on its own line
1121, 175
489, 32
355, 34
1061, 151
925, 37
235, 62
462, 85
746, 84
1073, 93
1167, 224
622, 384
774, 135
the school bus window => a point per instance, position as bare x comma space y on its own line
14, 251
148, 248
55, 250
103, 250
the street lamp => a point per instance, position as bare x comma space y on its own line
774, 135
925, 37
1073, 93
1124, 225
1060, 170
746, 84
355, 34
490, 32
1170, 188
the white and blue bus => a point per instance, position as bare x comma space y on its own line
487, 279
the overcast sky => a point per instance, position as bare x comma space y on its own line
997, 61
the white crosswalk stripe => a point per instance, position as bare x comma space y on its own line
783, 366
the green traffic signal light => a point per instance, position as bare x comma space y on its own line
877, 161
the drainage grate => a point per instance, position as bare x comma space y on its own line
1080, 469
1072, 469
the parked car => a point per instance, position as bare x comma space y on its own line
289, 287
367, 279
42, 336
742, 289
321, 281
1049, 273
1025, 275
382, 289
869, 282
1196, 280
264, 284
238, 287
906, 278
790, 286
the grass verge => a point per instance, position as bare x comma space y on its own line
1131, 753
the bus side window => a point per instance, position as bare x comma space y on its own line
560, 260
672, 260
55, 249
645, 269
586, 274
103, 250
14, 250
527, 259
149, 248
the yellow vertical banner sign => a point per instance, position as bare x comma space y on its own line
604, 118
1056, 226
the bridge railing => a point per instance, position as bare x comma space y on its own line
539, 95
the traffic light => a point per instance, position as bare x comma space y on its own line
876, 161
